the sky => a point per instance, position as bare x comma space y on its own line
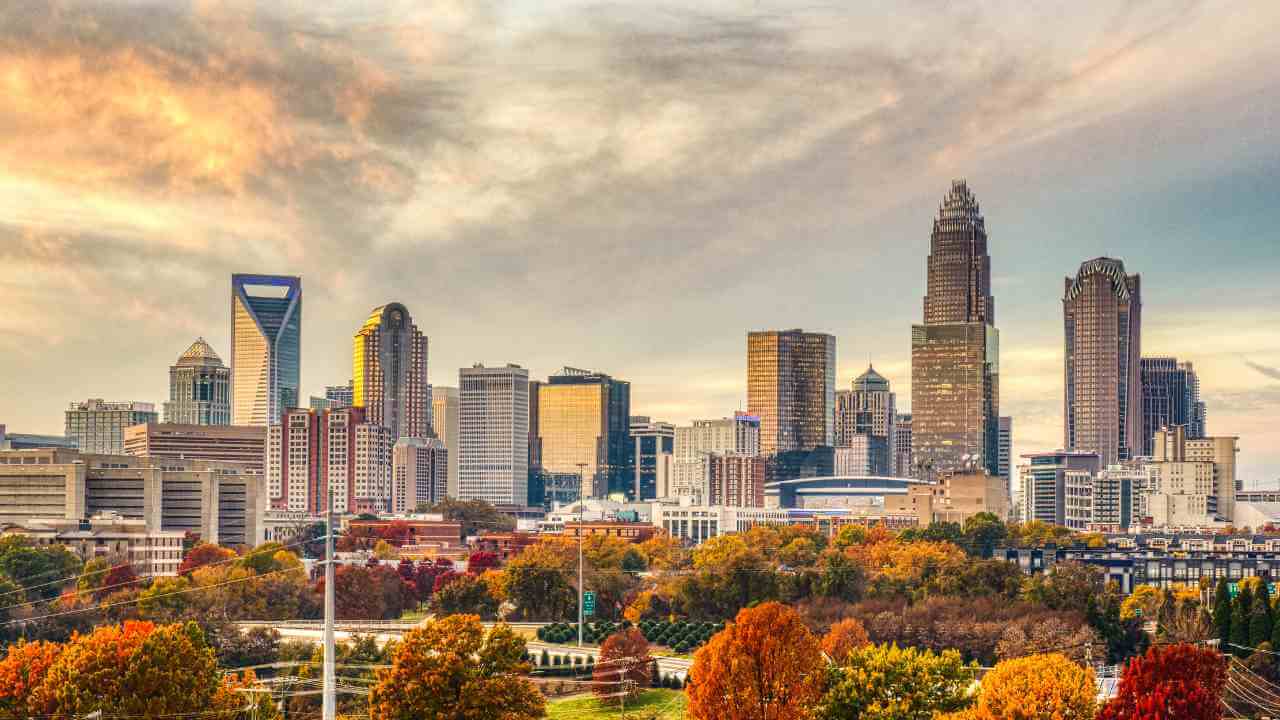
631, 187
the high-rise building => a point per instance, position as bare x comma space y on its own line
221, 443
1102, 317
493, 434
653, 452
266, 347
1193, 481
340, 396
738, 435
444, 420
736, 480
1051, 481
864, 454
902, 445
419, 473
584, 426
389, 372
98, 426
791, 378
199, 388
314, 455
869, 409
1004, 466
1170, 397
955, 354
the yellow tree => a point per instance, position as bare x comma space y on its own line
452, 669
22, 671
763, 666
1144, 602
1037, 687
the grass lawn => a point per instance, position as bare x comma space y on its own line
651, 705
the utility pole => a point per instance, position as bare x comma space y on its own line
330, 683
581, 588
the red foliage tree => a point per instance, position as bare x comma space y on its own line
405, 570
204, 554
443, 579
624, 667
369, 593
397, 533
480, 561
118, 578
1170, 682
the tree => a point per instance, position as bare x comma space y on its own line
1077, 641
1240, 608
1222, 610
1170, 682
663, 552
1039, 687
452, 669
1068, 586
119, 576
368, 593
886, 682
1144, 603
729, 574
258, 645
475, 516
204, 554
479, 561
763, 666
41, 571
624, 667
383, 550
1260, 619
11, 595
839, 576
465, 595
903, 569
22, 671
843, 638
982, 533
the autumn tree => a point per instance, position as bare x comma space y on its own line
624, 666
1077, 640
982, 532
119, 576
465, 595
1068, 586
730, 573
204, 554
481, 560
1170, 682
474, 515
843, 638
368, 593
452, 669
764, 666
1038, 687
886, 682
22, 671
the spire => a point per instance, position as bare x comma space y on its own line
200, 353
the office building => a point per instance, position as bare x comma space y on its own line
955, 353
653, 452
389, 372
791, 388
864, 454
223, 443
315, 455
98, 426
419, 473
955, 497
902, 466
340, 396
493, 434
219, 502
1044, 479
738, 435
1116, 490
1102, 321
1004, 465
736, 480
266, 347
27, 441
1193, 481
867, 409
109, 535
1170, 397
444, 420
199, 388
584, 426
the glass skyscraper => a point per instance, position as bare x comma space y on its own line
1170, 397
266, 347
584, 426
791, 376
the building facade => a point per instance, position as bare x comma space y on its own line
27, 441
584, 426
736, 480
444, 420
863, 455
791, 388
1004, 463
315, 457
955, 353
110, 535
1170, 397
224, 443
389, 372
902, 465
1044, 479
199, 388
1193, 482
867, 410
493, 434
266, 347
340, 396
653, 452
98, 426
419, 473
1102, 322
738, 435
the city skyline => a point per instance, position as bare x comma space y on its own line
687, 272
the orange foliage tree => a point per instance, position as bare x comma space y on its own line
843, 638
763, 666
1170, 682
21, 672
452, 669
624, 667
1036, 687
204, 554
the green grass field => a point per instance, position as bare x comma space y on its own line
651, 705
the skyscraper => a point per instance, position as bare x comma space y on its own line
868, 409
493, 434
340, 396
1005, 465
1102, 322
444, 420
955, 354
98, 426
266, 347
389, 372
902, 445
584, 426
1170, 397
199, 388
654, 447
791, 377
694, 443
419, 473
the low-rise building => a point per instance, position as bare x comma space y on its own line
152, 553
634, 532
245, 444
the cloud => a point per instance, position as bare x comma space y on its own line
1273, 373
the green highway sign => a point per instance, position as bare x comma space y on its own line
588, 603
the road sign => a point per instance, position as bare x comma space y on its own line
588, 603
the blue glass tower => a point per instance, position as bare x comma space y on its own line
266, 347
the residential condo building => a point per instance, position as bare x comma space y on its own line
389, 373
315, 457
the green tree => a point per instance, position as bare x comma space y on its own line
1068, 586
1222, 610
1241, 606
1260, 619
982, 533
465, 595
475, 516
839, 576
886, 682
41, 571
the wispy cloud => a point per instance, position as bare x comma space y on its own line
1268, 371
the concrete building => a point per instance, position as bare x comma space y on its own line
419, 473
26, 441
266, 347
955, 497
863, 454
98, 426
109, 535
389, 373
312, 455
444, 420
864, 418
902, 465
1102, 321
224, 443
1044, 483
738, 435
697, 523
653, 452
339, 396
220, 502
199, 388
791, 388
955, 353
493, 434
1170, 397
1004, 463
736, 480
584, 426
1193, 481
